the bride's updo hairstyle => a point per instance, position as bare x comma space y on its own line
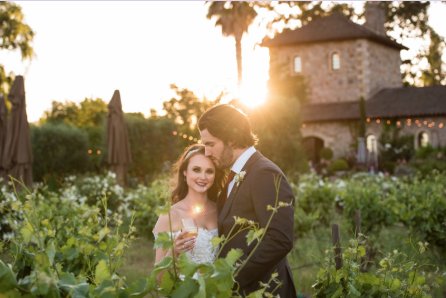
181, 188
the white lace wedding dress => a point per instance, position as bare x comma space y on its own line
203, 251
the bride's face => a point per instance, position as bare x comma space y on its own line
200, 173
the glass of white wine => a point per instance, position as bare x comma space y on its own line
190, 227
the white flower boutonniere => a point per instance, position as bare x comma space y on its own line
238, 178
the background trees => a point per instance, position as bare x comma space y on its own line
234, 18
14, 35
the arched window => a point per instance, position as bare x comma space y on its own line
335, 61
371, 144
423, 139
297, 64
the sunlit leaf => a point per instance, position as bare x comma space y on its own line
101, 273
50, 252
7, 278
187, 267
187, 288
233, 256
163, 240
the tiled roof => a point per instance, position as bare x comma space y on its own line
408, 101
388, 103
330, 28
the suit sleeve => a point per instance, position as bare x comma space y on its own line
278, 240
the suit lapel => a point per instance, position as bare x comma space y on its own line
233, 195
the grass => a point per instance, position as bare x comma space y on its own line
138, 259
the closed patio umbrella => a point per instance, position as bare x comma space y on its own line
3, 114
17, 155
119, 156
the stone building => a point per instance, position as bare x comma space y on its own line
341, 62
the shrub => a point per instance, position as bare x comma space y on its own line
326, 153
152, 144
374, 197
58, 149
315, 199
338, 165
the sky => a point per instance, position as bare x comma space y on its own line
89, 49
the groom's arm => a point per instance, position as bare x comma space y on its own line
278, 240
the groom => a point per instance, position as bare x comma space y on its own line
229, 142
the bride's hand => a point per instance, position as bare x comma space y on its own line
183, 243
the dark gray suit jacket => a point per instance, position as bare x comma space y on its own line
250, 200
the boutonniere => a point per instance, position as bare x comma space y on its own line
238, 178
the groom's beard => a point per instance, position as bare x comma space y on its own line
226, 159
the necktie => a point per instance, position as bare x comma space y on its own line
224, 193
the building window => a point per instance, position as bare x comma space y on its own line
297, 64
371, 144
423, 139
335, 61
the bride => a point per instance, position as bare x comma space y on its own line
197, 186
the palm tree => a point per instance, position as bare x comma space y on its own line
234, 19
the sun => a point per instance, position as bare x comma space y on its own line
253, 94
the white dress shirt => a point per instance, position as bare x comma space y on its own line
239, 164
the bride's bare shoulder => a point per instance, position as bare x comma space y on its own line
164, 222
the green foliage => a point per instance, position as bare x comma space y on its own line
152, 145
185, 108
315, 199
424, 207
144, 201
88, 113
326, 153
338, 165
277, 122
91, 189
394, 147
397, 275
429, 159
62, 246
373, 197
89, 116
58, 150
14, 34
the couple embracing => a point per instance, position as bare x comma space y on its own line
228, 144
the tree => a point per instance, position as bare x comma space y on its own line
277, 123
185, 108
435, 74
89, 115
14, 34
234, 18
404, 19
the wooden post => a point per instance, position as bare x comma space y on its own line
337, 245
357, 222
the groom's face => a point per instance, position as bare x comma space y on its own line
220, 153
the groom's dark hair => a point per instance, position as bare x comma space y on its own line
228, 124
